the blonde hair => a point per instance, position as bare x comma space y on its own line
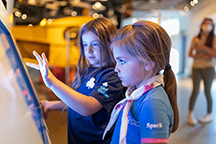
105, 30
148, 42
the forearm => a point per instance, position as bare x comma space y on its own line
196, 55
80, 103
210, 51
57, 105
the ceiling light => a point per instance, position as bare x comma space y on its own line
18, 14
24, 16
195, 1
186, 8
100, 15
192, 3
49, 21
73, 13
95, 15
98, 6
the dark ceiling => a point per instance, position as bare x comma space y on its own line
118, 9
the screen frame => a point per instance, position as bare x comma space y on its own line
32, 93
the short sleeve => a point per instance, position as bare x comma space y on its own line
155, 119
108, 89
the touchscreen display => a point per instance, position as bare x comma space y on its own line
21, 119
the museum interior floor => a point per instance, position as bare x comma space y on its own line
186, 134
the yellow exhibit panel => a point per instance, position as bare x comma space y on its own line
58, 40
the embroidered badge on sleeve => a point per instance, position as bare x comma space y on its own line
103, 89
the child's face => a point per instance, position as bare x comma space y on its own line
91, 46
129, 70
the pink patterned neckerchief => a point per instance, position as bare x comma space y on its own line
131, 94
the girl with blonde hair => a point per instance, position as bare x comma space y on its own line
149, 113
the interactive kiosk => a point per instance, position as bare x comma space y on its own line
21, 119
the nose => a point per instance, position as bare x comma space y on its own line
90, 49
117, 69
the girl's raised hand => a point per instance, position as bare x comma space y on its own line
43, 67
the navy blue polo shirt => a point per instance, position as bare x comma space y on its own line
105, 86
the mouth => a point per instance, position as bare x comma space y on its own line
120, 78
91, 57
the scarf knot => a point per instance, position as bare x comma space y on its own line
129, 100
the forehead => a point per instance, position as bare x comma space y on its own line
207, 22
120, 52
89, 36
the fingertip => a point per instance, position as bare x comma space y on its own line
35, 53
43, 54
44, 58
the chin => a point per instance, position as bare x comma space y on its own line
125, 84
95, 64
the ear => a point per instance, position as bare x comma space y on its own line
149, 66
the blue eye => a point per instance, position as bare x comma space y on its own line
95, 44
122, 62
84, 45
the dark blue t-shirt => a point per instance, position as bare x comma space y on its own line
105, 86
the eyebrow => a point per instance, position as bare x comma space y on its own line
92, 41
120, 57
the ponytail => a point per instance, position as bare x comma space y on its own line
170, 87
